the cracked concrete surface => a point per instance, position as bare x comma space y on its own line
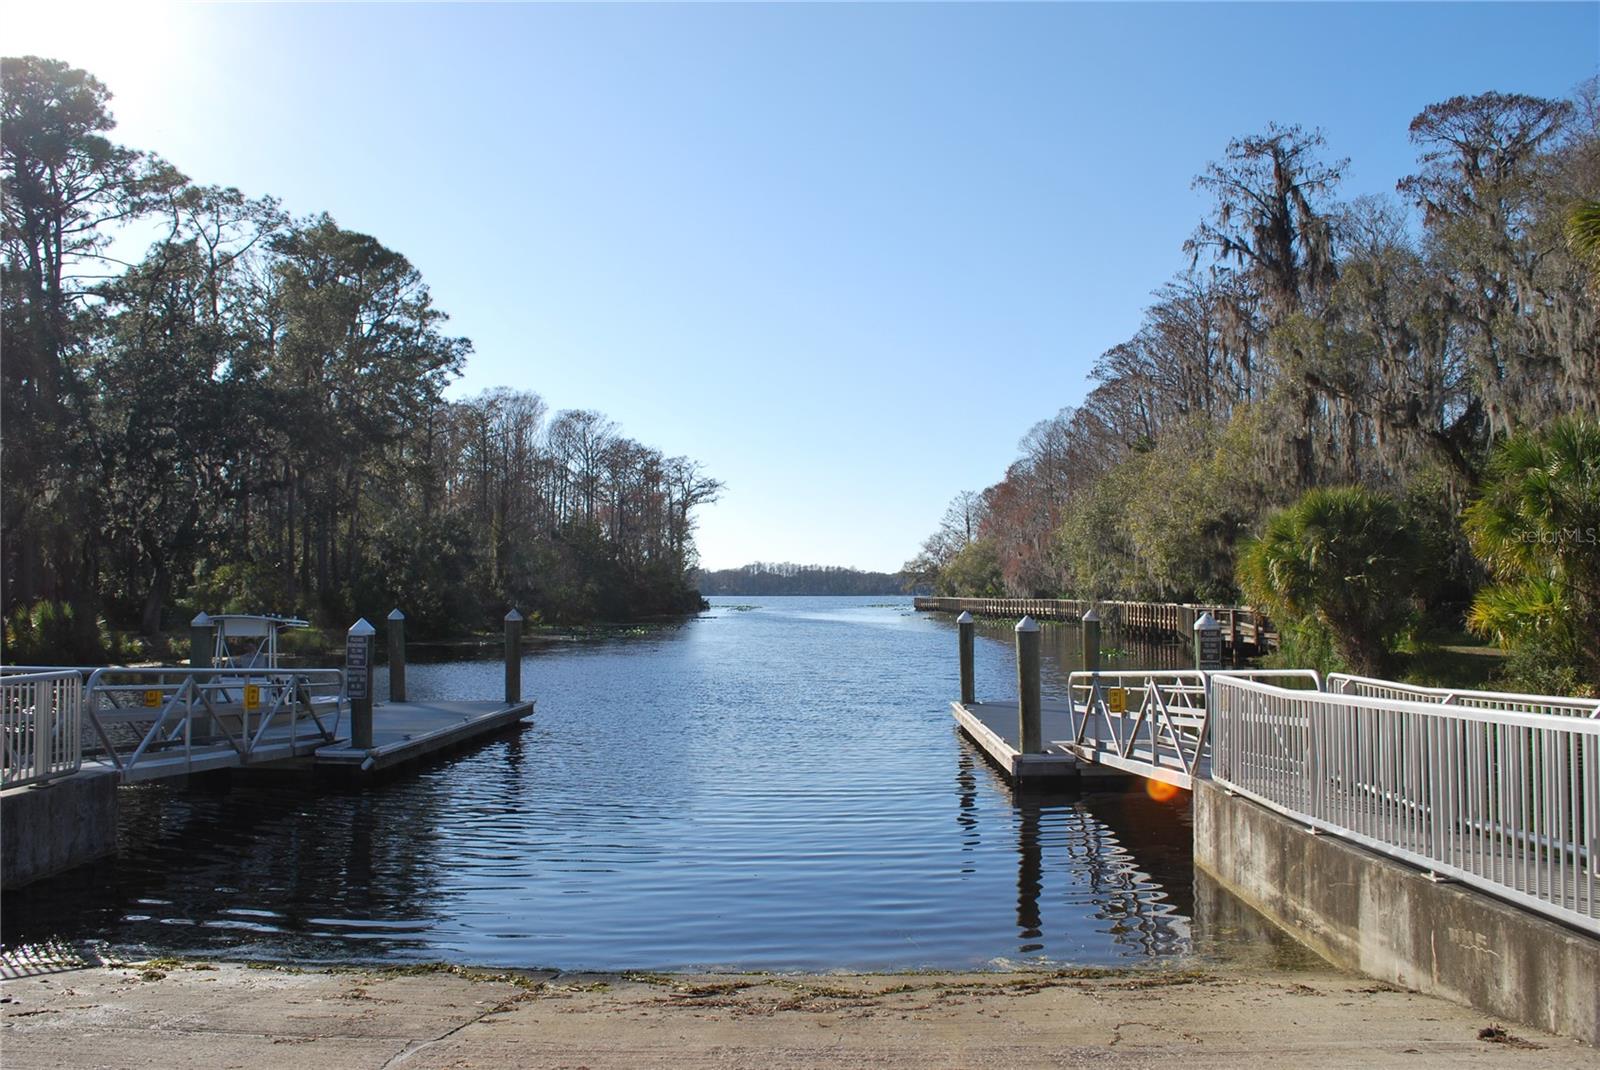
179, 1015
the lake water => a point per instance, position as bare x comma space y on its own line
777, 784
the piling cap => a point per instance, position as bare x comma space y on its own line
395, 614
513, 615
1091, 617
200, 620
965, 618
1207, 623
1027, 624
361, 628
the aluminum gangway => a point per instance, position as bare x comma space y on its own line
155, 722
1155, 724
1499, 791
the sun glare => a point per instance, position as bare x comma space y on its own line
1161, 791
128, 46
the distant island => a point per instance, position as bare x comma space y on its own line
785, 578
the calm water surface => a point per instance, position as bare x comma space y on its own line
777, 784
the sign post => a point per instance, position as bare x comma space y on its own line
358, 682
1207, 643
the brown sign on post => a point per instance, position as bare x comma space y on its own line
356, 654
1207, 643
358, 681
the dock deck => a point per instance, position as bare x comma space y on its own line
401, 732
276, 749
993, 727
405, 731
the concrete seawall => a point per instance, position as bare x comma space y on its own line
48, 828
1387, 920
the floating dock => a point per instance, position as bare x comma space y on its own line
405, 731
993, 726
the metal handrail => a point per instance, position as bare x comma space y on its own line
1162, 727
1504, 800
41, 735
1554, 705
139, 714
1310, 676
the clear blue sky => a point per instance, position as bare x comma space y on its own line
843, 255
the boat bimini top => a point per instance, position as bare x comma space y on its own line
248, 641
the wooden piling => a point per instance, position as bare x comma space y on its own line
1091, 641
965, 629
1030, 733
513, 657
1207, 643
358, 681
202, 637
397, 655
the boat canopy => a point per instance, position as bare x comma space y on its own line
248, 640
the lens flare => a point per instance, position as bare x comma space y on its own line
1161, 791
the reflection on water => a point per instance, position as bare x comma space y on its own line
762, 788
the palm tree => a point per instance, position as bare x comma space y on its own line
1537, 530
1340, 557
1583, 234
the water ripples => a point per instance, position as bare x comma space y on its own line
775, 788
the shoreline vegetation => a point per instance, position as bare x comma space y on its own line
1378, 419
316, 642
251, 416
784, 578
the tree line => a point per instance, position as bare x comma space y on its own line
251, 416
768, 578
1400, 345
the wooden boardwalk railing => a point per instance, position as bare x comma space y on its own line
1243, 628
